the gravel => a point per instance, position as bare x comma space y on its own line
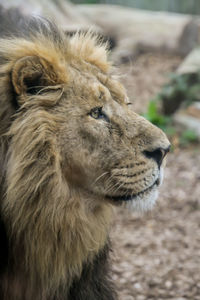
157, 255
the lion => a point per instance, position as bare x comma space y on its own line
70, 150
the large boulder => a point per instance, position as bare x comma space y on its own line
191, 64
139, 31
61, 12
184, 86
189, 119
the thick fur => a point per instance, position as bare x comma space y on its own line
62, 167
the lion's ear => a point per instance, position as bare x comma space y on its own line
32, 73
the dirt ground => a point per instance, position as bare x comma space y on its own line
157, 255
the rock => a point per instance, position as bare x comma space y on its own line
168, 284
189, 119
185, 84
182, 88
61, 12
194, 110
137, 286
138, 31
191, 63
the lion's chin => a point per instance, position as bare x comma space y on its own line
144, 202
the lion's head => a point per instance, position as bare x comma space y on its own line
70, 148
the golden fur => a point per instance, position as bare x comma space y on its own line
61, 165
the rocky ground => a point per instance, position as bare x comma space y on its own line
157, 255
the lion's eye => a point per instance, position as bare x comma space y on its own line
97, 113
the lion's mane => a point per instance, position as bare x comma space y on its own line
50, 234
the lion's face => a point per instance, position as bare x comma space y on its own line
109, 151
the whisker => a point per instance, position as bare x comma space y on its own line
98, 178
114, 187
108, 183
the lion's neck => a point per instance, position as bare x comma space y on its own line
56, 247
54, 229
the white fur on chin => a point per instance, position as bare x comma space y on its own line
146, 201
143, 203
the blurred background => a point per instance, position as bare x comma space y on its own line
179, 6
154, 46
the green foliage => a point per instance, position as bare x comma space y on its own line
91, 1
180, 88
155, 117
88, 1
170, 130
188, 136
182, 138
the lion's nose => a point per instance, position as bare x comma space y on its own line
157, 154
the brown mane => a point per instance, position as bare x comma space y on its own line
45, 220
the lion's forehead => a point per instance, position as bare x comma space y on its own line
97, 84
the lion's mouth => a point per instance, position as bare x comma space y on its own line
130, 197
